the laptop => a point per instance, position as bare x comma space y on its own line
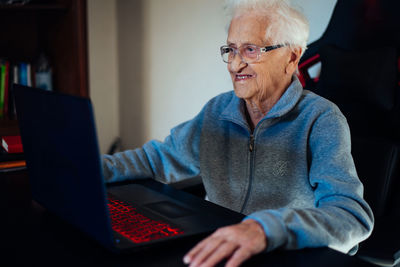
65, 171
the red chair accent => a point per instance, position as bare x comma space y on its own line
304, 66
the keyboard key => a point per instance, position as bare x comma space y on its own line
135, 226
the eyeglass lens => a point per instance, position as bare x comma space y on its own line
248, 53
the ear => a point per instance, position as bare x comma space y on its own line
293, 60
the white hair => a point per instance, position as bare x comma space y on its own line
287, 25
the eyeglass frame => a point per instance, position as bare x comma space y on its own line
261, 50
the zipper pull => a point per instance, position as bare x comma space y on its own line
251, 145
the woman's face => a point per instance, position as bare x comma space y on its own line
259, 80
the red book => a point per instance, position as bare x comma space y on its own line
12, 143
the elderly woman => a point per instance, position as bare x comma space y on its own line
268, 149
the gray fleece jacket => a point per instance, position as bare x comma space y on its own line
294, 173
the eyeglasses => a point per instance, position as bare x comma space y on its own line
249, 53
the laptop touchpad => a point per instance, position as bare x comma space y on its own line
138, 194
169, 209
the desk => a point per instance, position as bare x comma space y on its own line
31, 236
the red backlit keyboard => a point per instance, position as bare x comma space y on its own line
128, 222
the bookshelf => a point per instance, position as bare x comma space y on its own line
54, 27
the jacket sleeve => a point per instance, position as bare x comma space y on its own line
170, 161
340, 218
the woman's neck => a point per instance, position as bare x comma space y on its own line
257, 108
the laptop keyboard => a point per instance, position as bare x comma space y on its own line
126, 221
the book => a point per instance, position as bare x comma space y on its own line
12, 143
28, 75
2, 86
14, 78
23, 74
15, 74
12, 166
6, 89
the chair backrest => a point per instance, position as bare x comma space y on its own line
359, 55
377, 162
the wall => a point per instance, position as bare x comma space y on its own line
168, 62
183, 68
132, 57
103, 69
318, 13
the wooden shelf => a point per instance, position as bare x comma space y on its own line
55, 7
57, 28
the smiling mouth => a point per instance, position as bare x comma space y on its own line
243, 77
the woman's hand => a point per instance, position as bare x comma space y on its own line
236, 242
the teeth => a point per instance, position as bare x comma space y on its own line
243, 76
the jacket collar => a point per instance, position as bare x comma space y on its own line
235, 112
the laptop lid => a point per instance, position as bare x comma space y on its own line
60, 145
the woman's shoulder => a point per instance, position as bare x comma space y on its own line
312, 102
219, 102
224, 97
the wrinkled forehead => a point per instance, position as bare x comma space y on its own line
248, 28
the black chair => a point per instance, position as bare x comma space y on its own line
360, 65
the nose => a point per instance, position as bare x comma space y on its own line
237, 64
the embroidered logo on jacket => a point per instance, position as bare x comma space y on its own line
280, 168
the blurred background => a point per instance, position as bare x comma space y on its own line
154, 63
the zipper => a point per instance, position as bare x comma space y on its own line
251, 143
251, 149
